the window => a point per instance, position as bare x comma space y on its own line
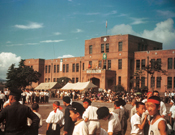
63, 67
152, 63
139, 47
120, 46
120, 64
73, 67
143, 64
32, 67
170, 63
146, 46
46, 69
54, 68
83, 66
102, 48
109, 64
159, 63
57, 79
131, 64
152, 82
49, 69
99, 63
169, 82
158, 82
77, 67
142, 82
76, 79
104, 64
57, 68
90, 63
54, 79
73, 80
174, 82
107, 47
174, 63
137, 64
119, 80
67, 67
48, 79
137, 82
90, 49
45, 79
142, 47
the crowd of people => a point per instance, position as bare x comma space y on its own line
147, 117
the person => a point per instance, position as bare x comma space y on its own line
163, 112
55, 120
16, 116
172, 110
133, 109
35, 109
37, 96
76, 112
118, 110
42, 96
157, 124
136, 124
114, 126
23, 94
2, 99
69, 124
90, 117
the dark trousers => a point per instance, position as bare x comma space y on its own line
53, 132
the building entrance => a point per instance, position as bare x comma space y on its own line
96, 81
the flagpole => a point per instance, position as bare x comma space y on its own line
106, 27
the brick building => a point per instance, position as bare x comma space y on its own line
108, 61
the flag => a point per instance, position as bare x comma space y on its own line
106, 24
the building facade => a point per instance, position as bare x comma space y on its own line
108, 61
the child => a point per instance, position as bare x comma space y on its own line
114, 126
55, 120
136, 124
35, 109
76, 112
172, 110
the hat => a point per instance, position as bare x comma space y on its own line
77, 107
15, 92
102, 112
66, 99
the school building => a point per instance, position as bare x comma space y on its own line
112, 60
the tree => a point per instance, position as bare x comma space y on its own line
118, 88
21, 76
63, 81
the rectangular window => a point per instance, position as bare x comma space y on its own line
131, 64
142, 82
90, 63
120, 64
63, 67
76, 79
119, 80
57, 79
54, 79
137, 82
57, 68
137, 64
152, 82
107, 47
169, 82
102, 48
139, 47
120, 46
104, 64
174, 82
54, 68
152, 63
90, 49
73, 67
143, 64
174, 63
170, 64
146, 46
158, 82
45, 79
48, 79
46, 69
109, 64
67, 67
99, 63
49, 69
77, 67
159, 63
73, 80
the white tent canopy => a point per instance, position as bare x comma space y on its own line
79, 86
47, 86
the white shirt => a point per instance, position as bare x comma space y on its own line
135, 120
90, 113
80, 129
162, 109
172, 110
114, 125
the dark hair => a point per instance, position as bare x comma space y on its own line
155, 92
57, 103
87, 100
117, 103
35, 106
122, 102
102, 112
156, 98
77, 108
138, 104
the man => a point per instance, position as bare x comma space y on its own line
16, 116
157, 124
69, 124
118, 110
114, 126
163, 112
90, 117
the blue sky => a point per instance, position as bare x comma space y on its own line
50, 29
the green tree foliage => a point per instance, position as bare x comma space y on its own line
118, 88
63, 81
21, 76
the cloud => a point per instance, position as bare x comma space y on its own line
137, 20
51, 41
111, 13
57, 33
163, 32
6, 60
8, 42
65, 56
93, 13
32, 25
77, 31
167, 14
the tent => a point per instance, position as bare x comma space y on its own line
79, 86
47, 86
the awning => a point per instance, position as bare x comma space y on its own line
68, 86
47, 86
